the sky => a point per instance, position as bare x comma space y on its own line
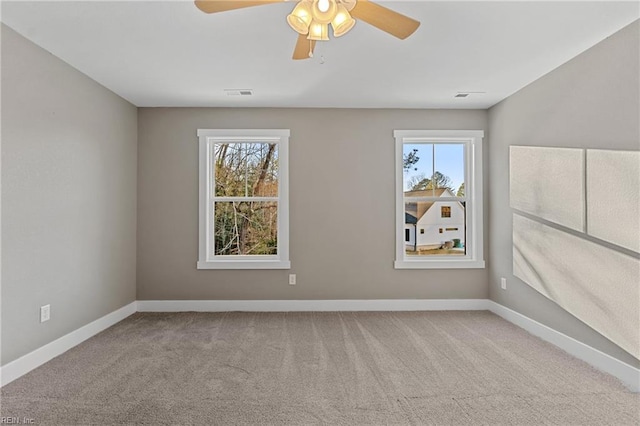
449, 160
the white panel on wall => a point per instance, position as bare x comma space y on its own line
548, 183
600, 286
613, 197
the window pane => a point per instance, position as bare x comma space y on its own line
417, 162
246, 170
245, 228
449, 172
435, 228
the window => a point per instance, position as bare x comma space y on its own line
439, 184
244, 204
407, 235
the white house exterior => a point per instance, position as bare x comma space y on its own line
431, 224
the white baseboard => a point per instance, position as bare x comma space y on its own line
628, 374
35, 359
312, 305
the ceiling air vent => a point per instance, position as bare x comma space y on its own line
238, 92
467, 94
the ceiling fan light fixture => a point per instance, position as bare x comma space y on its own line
323, 11
342, 22
318, 31
311, 18
300, 18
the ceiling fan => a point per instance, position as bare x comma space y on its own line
311, 19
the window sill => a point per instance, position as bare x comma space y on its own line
244, 264
439, 264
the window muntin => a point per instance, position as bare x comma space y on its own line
243, 199
437, 174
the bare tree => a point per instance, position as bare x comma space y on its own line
438, 180
409, 160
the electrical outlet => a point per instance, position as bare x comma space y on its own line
292, 279
503, 283
45, 313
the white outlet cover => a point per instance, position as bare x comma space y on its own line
45, 313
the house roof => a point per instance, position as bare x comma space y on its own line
417, 209
427, 193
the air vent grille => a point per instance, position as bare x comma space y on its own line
238, 92
467, 94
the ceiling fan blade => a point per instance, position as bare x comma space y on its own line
214, 6
303, 47
385, 19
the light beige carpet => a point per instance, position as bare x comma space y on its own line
449, 368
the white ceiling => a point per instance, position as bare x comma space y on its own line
171, 54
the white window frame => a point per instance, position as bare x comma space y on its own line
207, 259
472, 139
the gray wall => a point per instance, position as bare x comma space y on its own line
591, 101
341, 206
68, 197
